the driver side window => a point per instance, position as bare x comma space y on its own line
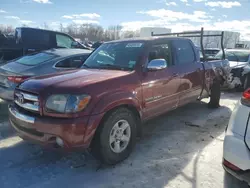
63, 41
159, 51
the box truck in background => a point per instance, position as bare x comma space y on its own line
146, 31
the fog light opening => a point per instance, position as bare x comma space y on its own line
59, 142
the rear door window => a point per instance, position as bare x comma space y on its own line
35, 59
72, 62
184, 52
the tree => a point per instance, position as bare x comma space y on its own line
231, 39
61, 27
114, 32
45, 25
92, 32
130, 34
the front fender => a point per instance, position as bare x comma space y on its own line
113, 100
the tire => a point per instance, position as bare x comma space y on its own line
246, 82
215, 95
106, 138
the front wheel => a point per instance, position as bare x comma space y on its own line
215, 95
116, 137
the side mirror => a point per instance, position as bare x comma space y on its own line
157, 64
75, 44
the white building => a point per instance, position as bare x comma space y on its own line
230, 39
244, 44
146, 31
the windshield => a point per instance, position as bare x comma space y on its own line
240, 56
118, 55
35, 59
211, 52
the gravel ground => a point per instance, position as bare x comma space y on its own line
182, 149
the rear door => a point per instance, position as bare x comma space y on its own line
160, 88
190, 70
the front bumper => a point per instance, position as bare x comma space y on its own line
235, 78
75, 132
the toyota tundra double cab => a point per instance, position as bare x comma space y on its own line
121, 85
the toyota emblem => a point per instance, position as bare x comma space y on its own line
20, 99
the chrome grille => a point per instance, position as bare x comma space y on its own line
27, 101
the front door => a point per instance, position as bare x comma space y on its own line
160, 88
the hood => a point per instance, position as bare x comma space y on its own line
236, 64
69, 80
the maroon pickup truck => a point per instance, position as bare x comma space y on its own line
122, 84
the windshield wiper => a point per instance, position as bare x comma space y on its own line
86, 66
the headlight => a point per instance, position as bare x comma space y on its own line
67, 103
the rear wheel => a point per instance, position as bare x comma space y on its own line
215, 95
116, 137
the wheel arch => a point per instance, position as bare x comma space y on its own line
131, 108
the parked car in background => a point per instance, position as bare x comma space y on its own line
122, 84
211, 52
45, 62
97, 44
221, 67
239, 60
29, 40
236, 150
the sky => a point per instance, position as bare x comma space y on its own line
178, 15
